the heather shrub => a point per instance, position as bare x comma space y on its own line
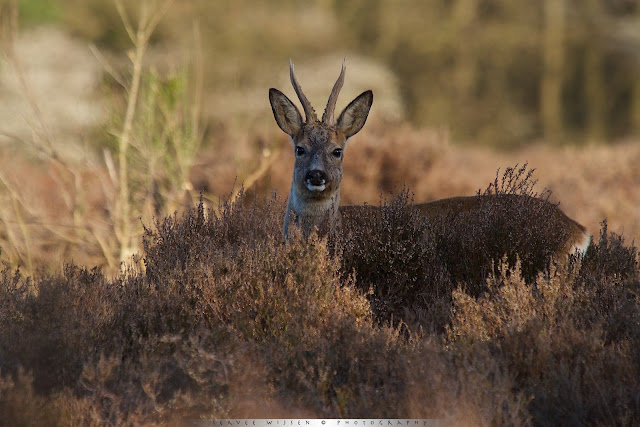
471, 388
557, 338
288, 299
20, 405
51, 324
227, 320
610, 276
128, 348
412, 263
178, 246
172, 378
514, 220
393, 255
221, 294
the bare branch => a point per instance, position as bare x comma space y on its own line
108, 68
125, 20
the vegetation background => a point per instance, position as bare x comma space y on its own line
462, 88
117, 114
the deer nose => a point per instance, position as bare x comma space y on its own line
316, 177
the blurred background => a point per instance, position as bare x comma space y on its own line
114, 113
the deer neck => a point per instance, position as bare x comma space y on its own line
308, 214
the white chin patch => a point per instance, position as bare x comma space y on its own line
315, 187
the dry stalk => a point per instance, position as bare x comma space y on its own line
150, 15
43, 142
266, 160
16, 204
198, 67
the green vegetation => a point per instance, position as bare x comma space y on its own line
146, 156
36, 12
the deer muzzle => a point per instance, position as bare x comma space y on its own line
316, 180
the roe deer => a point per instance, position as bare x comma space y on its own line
314, 199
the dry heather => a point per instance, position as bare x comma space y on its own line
227, 321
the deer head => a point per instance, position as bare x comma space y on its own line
319, 150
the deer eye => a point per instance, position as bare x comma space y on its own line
299, 151
337, 153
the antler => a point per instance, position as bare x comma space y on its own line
309, 112
327, 117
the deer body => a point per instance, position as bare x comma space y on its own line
562, 234
314, 198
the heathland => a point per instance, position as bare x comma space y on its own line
142, 192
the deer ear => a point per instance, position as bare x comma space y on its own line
355, 114
287, 115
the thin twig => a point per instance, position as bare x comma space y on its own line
108, 68
125, 19
140, 39
267, 159
17, 211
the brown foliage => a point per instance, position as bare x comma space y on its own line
558, 338
412, 262
226, 314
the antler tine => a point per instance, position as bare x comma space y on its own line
309, 112
327, 117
